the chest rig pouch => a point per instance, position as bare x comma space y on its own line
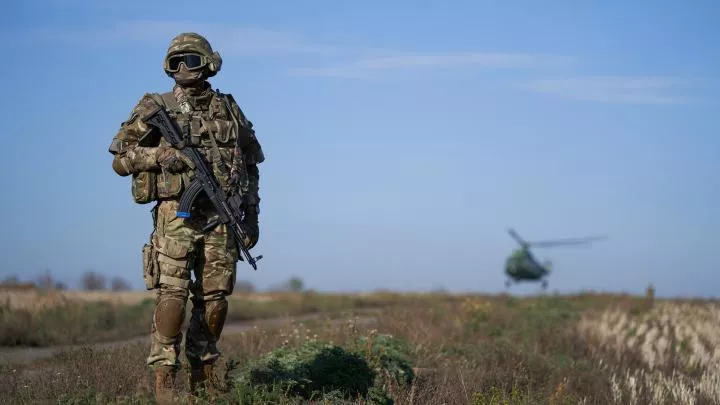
215, 131
165, 185
227, 139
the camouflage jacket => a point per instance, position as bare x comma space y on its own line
208, 125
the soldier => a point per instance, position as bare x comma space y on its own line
212, 122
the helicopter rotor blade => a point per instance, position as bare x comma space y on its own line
568, 241
517, 237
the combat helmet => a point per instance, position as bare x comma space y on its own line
192, 43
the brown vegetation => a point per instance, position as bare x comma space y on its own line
43, 318
465, 350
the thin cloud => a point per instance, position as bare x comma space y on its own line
228, 39
369, 66
609, 89
251, 40
232, 40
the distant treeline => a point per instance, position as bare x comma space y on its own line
92, 280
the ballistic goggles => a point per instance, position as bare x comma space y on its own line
192, 61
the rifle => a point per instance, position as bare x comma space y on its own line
229, 209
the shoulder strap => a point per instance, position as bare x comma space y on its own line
170, 101
166, 100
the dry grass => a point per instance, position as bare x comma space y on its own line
36, 300
33, 300
466, 350
676, 348
43, 318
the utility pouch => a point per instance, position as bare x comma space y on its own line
151, 270
144, 187
169, 185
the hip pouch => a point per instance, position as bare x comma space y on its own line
151, 270
144, 187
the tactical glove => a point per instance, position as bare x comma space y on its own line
250, 226
171, 159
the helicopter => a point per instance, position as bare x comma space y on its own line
521, 265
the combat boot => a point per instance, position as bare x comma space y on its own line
197, 379
165, 385
204, 378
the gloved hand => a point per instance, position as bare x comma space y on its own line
250, 226
171, 159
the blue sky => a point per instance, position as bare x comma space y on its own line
402, 138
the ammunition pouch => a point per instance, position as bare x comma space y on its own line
174, 256
151, 269
216, 132
169, 185
151, 186
220, 143
222, 130
144, 187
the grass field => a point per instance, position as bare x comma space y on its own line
413, 349
31, 318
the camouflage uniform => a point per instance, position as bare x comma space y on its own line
178, 247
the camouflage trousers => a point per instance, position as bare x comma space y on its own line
181, 250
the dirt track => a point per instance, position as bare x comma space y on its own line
24, 355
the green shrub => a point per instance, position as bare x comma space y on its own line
317, 370
311, 371
387, 355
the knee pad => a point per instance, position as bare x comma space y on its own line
216, 313
169, 316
